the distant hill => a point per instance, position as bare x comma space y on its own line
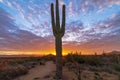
14, 56
114, 52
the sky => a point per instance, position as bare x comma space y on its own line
91, 26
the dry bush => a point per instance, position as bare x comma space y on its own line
9, 72
3, 63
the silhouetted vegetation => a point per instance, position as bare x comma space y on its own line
58, 31
92, 60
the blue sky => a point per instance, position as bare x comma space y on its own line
87, 21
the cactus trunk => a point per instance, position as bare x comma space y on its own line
58, 43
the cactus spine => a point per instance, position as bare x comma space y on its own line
58, 32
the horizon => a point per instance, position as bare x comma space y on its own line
64, 54
91, 26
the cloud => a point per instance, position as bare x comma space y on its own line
97, 45
87, 6
84, 6
9, 4
14, 39
1, 0
75, 7
30, 25
118, 2
31, 8
113, 21
21, 15
113, 16
78, 32
18, 7
72, 11
100, 10
61, 3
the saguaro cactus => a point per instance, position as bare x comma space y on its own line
58, 32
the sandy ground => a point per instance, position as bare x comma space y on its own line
44, 72
39, 72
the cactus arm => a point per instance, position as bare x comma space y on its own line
63, 22
57, 16
53, 20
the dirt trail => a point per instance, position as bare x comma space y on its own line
39, 72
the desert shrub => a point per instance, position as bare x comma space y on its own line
75, 57
3, 63
49, 57
78, 58
95, 69
15, 62
91, 60
10, 72
68, 58
116, 67
23, 60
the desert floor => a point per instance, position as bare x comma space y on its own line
47, 72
